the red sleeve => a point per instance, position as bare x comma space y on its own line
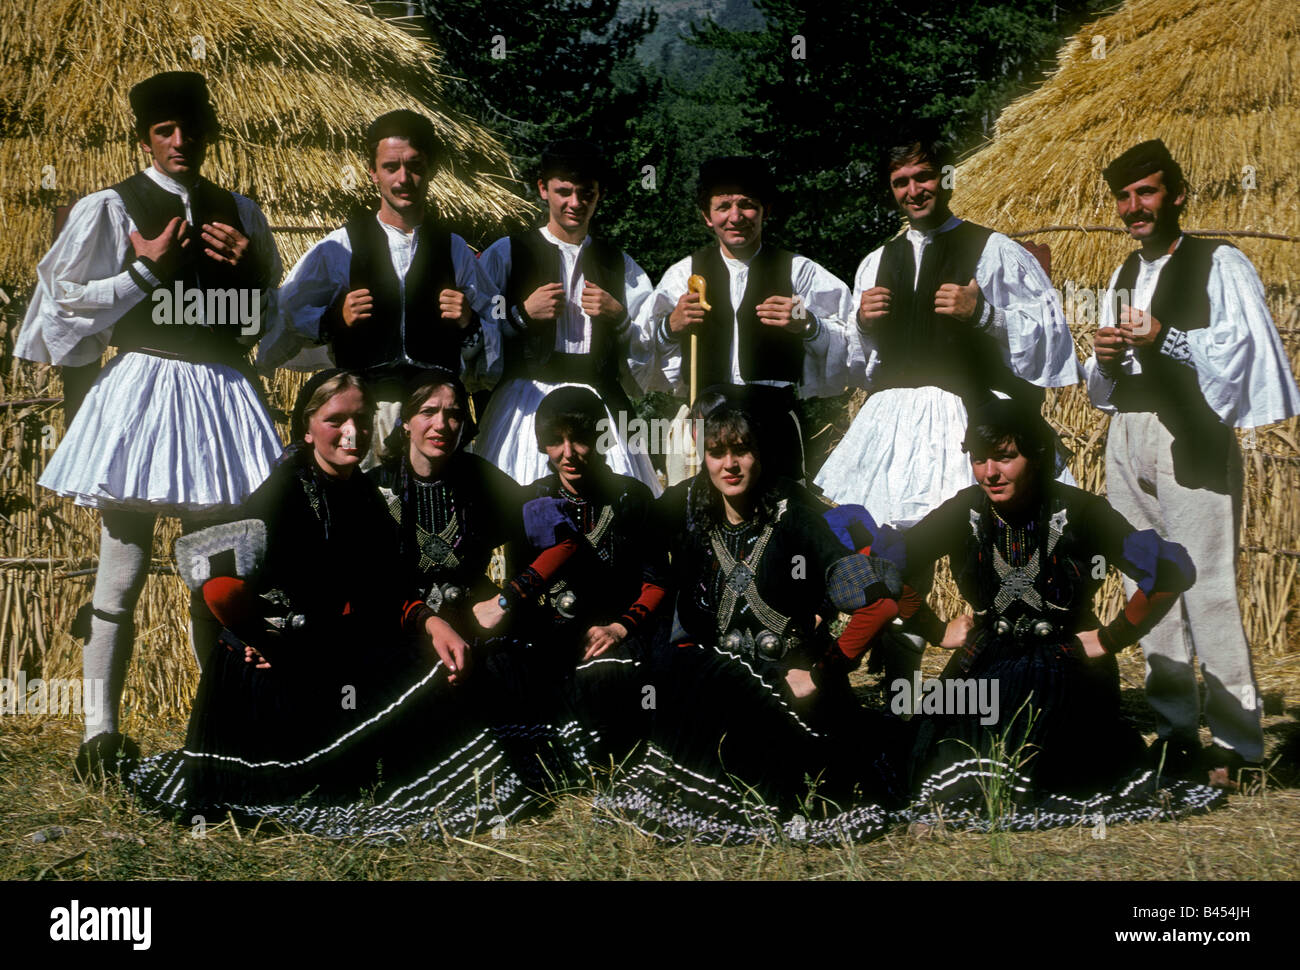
649, 600
863, 626
1140, 614
538, 576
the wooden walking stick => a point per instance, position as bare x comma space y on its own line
696, 285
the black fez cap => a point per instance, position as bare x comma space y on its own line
749, 174
1139, 162
411, 125
173, 96
576, 160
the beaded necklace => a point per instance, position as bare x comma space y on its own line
1017, 542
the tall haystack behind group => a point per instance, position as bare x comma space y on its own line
294, 82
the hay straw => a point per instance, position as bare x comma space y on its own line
293, 82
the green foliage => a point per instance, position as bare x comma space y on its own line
826, 84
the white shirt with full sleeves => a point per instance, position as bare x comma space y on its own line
1240, 363
507, 435
323, 275
902, 457
82, 288
154, 435
825, 297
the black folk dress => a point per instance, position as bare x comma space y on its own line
1023, 725
598, 710
353, 730
735, 757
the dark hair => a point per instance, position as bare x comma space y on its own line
737, 427
574, 160
576, 411
414, 127
1003, 420
924, 143
418, 390
750, 175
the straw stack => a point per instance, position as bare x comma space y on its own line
294, 82
1216, 81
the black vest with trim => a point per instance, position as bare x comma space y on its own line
151, 208
922, 348
391, 339
534, 262
765, 353
1167, 387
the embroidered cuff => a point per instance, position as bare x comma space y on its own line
1118, 634
812, 328
516, 320
983, 311
1175, 346
666, 335
149, 269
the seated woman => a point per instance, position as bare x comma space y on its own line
588, 604
756, 726
337, 706
453, 508
1029, 554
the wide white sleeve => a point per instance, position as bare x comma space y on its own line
828, 300
267, 263
654, 314
82, 289
1024, 314
1100, 387
1240, 363
294, 339
642, 344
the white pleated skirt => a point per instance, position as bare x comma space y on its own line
902, 456
164, 436
506, 436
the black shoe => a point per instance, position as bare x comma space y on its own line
1225, 766
1176, 758
105, 755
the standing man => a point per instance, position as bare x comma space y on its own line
1186, 352
947, 313
391, 292
767, 315
177, 274
571, 305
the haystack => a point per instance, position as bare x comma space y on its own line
294, 82
1218, 82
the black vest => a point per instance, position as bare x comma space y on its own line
1170, 388
766, 353
534, 262
386, 340
151, 207
921, 348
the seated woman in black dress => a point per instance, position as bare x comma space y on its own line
452, 508
340, 704
753, 703
585, 612
1029, 554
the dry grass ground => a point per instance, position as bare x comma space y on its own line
97, 833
